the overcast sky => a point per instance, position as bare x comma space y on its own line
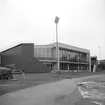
81, 24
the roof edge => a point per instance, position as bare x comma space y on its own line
14, 47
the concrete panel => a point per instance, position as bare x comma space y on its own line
12, 56
35, 66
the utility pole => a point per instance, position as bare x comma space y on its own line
57, 44
99, 53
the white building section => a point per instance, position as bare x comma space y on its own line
71, 58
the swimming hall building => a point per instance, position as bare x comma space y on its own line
70, 57
42, 58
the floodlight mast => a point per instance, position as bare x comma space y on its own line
57, 44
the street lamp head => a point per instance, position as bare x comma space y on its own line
56, 20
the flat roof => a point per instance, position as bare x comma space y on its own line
14, 47
69, 47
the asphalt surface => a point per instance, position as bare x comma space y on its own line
63, 92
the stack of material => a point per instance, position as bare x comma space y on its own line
5, 74
93, 92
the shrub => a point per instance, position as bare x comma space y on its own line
100, 67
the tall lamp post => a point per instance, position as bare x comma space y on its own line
57, 46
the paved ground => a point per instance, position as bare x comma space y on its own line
63, 92
25, 82
36, 79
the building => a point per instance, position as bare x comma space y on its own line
102, 61
71, 58
22, 56
94, 63
42, 58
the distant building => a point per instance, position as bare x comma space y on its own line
94, 63
102, 61
42, 58
71, 58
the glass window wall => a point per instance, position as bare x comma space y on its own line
63, 66
83, 57
66, 55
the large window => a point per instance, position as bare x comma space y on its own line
63, 66
67, 55
64, 54
73, 66
83, 57
83, 67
